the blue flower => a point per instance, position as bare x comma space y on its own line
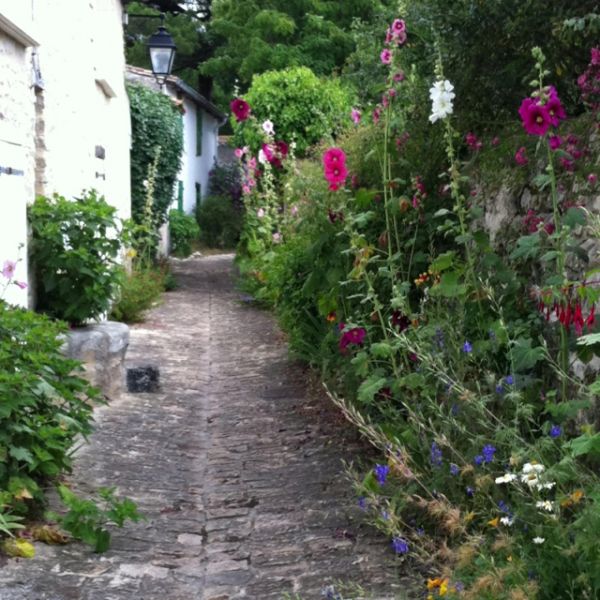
435, 455
454, 469
470, 491
385, 515
381, 473
362, 503
504, 507
499, 389
555, 431
509, 379
488, 453
467, 347
399, 545
478, 460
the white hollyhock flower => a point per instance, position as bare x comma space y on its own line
268, 127
441, 94
262, 157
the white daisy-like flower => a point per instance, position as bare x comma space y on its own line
546, 486
544, 505
508, 521
538, 540
268, 127
506, 478
532, 468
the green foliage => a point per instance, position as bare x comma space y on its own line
45, 406
184, 231
74, 249
157, 130
87, 520
225, 181
304, 107
220, 222
139, 291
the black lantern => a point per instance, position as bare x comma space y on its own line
162, 53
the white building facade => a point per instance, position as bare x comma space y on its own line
201, 122
64, 112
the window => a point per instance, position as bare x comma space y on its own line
198, 194
198, 132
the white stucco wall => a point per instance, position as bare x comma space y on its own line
16, 151
82, 62
210, 146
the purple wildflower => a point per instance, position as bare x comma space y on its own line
555, 431
399, 545
435, 455
362, 503
467, 347
488, 453
478, 460
454, 469
509, 379
381, 473
470, 491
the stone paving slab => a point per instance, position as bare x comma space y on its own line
237, 469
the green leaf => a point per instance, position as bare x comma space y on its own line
370, 387
585, 444
566, 410
589, 340
574, 216
449, 286
524, 356
381, 350
21, 454
443, 261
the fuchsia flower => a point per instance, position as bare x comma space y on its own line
376, 115
334, 163
534, 116
8, 269
473, 141
495, 141
555, 109
398, 27
521, 156
555, 142
355, 116
592, 179
386, 56
399, 76
334, 157
353, 336
240, 108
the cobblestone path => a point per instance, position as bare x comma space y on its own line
238, 471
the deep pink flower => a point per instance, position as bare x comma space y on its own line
336, 174
353, 336
240, 108
399, 76
534, 116
521, 156
592, 179
386, 56
376, 115
555, 109
473, 141
8, 270
355, 116
595, 56
282, 148
334, 157
567, 165
555, 142
398, 26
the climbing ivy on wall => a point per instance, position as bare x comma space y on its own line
156, 123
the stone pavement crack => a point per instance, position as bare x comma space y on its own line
233, 465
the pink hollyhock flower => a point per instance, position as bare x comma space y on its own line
554, 108
398, 27
8, 270
336, 174
260, 213
567, 165
252, 163
355, 116
473, 141
334, 157
294, 210
391, 93
495, 141
268, 152
240, 108
555, 142
534, 116
592, 179
384, 101
400, 38
595, 56
239, 152
399, 76
376, 115
353, 336
20, 284
386, 56
521, 156
334, 187
277, 237
246, 189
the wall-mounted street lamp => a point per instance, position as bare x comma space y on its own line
161, 47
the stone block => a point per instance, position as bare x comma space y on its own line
143, 379
101, 347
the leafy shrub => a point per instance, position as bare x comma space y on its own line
138, 291
156, 125
304, 107
45, 406
184, 231
74, 249
220, 222
225, 181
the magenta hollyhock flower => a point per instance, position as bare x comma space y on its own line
399, 76
398, 26
521, 156
386, 56
595, 56
355, 116
534, 116
282, 148
376, 115
554, 108
8, 269
592, 179
336, 174
495, 141
240, 108
353, 336
555, 142
334, 157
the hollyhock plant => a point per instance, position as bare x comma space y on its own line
268, 127
240, 108
334, 157
555, 142
521, 156
8, 269
354, 336
386, 56
355, 116
554, 108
